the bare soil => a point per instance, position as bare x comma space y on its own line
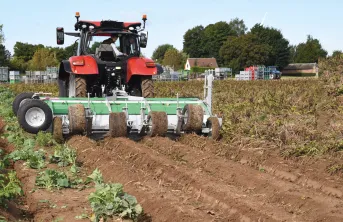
195, 179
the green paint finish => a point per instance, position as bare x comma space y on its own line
60, 106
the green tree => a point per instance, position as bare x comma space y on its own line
5, 56
159, 52
25, 51
71, 50
238, 26
310, 51
193, 42
173, 58
292, 53
214, 36
43, 58
18, 64
280, 54
2, 35
239, 52
336, 53
93, 47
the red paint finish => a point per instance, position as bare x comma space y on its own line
89, 66
137, 66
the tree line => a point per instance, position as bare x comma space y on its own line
231, 43
234, 46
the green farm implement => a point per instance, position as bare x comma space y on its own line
117, 116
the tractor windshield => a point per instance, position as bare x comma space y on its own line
127, 44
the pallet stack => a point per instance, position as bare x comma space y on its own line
3, 74
14, 77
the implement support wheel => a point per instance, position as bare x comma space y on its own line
34, 116
193, 118
214, 126
117, 125
158, 123
77, 119
19, 99
57, 129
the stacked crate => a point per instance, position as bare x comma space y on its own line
14, 77
3, 74
244, 75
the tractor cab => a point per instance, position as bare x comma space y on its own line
108, 58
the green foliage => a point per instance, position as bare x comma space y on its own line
5, 56
197, 69
18, 64
310, 51
174, 58
337, 53
43, 58
93, 47
35, 159
238, 26
214, 36
44, 139
204, 42
160, 51
10, 186
280, 49
95, 177
193, 42
110, 200
243, 51
50, 179
2, 35
63, 156
25, 51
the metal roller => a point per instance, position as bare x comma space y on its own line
193, 118
157, 123
214, 128
57, 131
117, 124
77, 119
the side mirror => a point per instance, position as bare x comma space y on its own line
143, 40
60, 36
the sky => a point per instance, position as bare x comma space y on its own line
35, 21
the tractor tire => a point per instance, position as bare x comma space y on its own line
158, 123
80, 86
193, 119
62, 88
34, 116
147, 87
214, 126
18, 101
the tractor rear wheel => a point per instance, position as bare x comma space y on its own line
80, 86
147, 87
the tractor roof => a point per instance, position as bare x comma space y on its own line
110, 24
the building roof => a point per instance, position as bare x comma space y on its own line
300, 66
203, 62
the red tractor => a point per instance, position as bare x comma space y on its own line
96, 70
